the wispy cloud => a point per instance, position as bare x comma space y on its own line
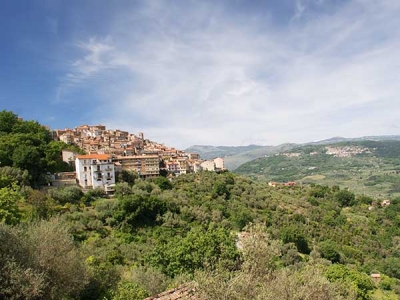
194, 74
97, 58
300, 8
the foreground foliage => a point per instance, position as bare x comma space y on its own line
234, 237
316, 240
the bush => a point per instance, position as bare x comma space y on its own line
152, 280
319, 191
123, 189
328, 251
293, 235
9, 210
163, 183
71, 194
364, 199
360, 282
129, 291
40, 260
345, 198
392, 267
137, 210
199, 248
92, 195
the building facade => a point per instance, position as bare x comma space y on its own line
208, 165
95, 171
219, 163
144, 165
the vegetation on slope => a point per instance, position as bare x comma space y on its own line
303, 242
27, 145
235, 156
374, 171
187, 231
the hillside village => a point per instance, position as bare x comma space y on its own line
346, 151
336, 151
109, 151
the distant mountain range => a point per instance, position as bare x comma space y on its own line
234, 156
339, 139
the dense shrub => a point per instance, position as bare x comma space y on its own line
292, 234
345, 198
71, 194
40, 261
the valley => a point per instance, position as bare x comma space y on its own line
365, 167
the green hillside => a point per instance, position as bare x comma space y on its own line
227, 235
236, 156
369, 167
156, 234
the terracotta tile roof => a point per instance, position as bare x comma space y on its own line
183, 292
94, 156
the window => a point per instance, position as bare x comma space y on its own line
85, 169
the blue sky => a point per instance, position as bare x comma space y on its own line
190, 72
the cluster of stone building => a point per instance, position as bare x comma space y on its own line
276, 184
110, 151
336, 151
346, 151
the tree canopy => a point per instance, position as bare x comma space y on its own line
27, 145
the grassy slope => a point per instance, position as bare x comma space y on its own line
237, 155
374, 173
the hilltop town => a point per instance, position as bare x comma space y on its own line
334, 150
109, 151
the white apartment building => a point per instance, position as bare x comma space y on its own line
95, 171
219, 163
183, 166
208, 165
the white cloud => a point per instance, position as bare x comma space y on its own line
300, 8
98, 57
193, 75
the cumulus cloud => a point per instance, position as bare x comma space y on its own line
199, 74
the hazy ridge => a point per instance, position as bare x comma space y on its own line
235, 156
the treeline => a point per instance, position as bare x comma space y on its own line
29, 146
